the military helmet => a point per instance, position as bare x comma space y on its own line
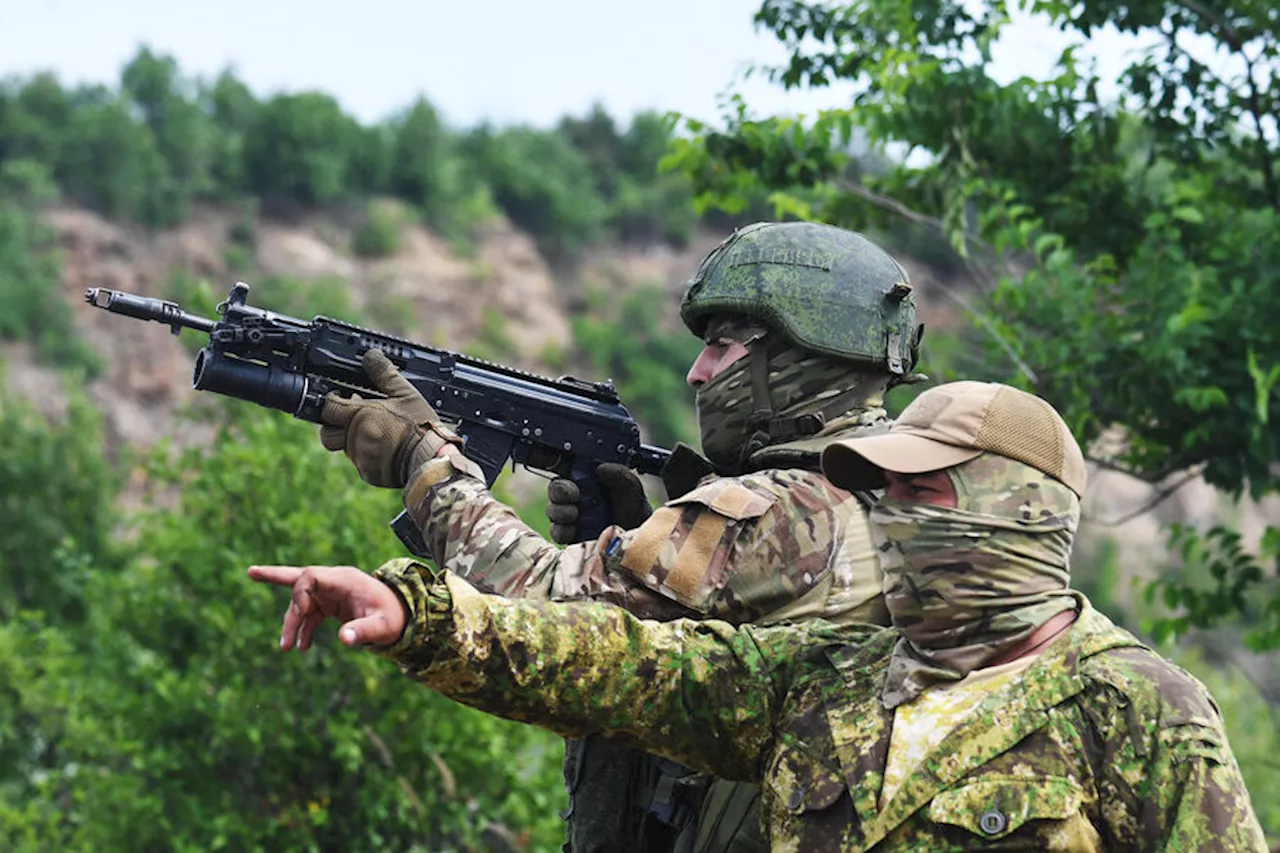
828, 290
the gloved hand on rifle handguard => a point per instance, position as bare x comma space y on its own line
387, 439
626, 496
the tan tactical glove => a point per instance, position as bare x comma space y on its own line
626, 495
386, 439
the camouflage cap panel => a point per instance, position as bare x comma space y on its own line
1006, 488
828, 290
1101, 745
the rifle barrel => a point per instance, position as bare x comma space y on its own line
146, 308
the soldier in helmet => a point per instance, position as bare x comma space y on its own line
1001, 710
806, 327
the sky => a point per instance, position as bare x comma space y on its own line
503, 61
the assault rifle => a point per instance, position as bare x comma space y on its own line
564, 426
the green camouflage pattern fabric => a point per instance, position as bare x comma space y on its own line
781, 543
799, 383
1101, 745
965, 585
828, 290
789, 546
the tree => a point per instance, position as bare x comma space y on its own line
299, 147
542, 183
1129, 242
231, 108
420, 161
110, 163
58, 492
164, 718
643, 205
31, 304
183, 133
34, 118
624, 339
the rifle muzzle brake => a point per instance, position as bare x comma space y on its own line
146, 308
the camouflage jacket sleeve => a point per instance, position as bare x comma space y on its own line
1168, 780
474, 535
736, 549
705, 694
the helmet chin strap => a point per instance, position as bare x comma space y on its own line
760, 352
767, 429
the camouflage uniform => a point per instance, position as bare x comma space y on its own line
1099, 745
777, 543
780, 544
735, 548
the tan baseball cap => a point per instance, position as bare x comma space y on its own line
953, 423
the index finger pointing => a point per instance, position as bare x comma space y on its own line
278, 575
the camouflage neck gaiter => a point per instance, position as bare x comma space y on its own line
799, 383
965, 585
724, 413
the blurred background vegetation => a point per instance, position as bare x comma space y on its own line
1111, 252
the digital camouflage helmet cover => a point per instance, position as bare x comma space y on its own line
828, 290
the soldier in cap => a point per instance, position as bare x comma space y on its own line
806, 326
1000, 710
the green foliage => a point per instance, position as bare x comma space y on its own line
57, 494
626, 341
184, 137
418, 158
299, 147
492, 343
167, 720
231, 108
643, 205
393, 313
553, 200
148, 149
379, 235
110, 163
429, 170
31, 303
34, 119
1238, 582
1129, 243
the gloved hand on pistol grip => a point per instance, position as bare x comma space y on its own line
387, 439
626, 495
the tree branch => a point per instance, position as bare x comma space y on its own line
1233, 41
894, 206
1158, 498
1229, 35
1149, 479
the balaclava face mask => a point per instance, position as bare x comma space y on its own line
798, 383
965, 585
